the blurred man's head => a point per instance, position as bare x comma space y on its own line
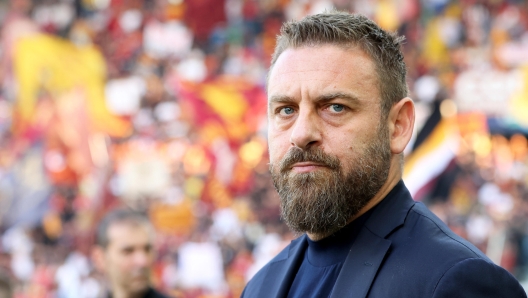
124, 252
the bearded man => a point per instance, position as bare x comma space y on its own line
339, 118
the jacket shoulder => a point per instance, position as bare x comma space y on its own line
427, 259
476, 277
434, 230
463, 270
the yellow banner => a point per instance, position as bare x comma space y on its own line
44, 63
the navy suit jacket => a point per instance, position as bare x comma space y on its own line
403, 250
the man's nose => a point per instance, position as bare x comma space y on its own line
306, 130
142, 259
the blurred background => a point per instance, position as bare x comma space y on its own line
160, 105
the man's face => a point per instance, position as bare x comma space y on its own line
329, 152
128, 257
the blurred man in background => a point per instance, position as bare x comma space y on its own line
125, 254
6, 291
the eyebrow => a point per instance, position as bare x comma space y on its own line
320, 99
281, 98
133, 247
331, 96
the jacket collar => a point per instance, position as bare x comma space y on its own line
282, 273
391, 212
364, 259
371, 246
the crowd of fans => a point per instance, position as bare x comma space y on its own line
160, 105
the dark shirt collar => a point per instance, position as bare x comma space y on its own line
334, 248
150, 293
391, 212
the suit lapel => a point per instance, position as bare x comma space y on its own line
361, 266
282, 273
369, 249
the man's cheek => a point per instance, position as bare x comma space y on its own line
273, 154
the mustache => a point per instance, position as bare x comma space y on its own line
140, 273
315, 155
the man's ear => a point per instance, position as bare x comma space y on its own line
98, 258
401, 124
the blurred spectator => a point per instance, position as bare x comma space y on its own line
6, 290
125, 253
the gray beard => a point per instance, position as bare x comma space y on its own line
324, 201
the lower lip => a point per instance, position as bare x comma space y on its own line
305, 169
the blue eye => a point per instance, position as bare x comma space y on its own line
337, 108
286, 111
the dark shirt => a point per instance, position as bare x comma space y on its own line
323, 260
151, 293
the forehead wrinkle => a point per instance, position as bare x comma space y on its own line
280, 99
281, 79
352, 98
366, 76
286, 72
276, 82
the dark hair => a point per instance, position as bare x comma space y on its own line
345, 29
118, 216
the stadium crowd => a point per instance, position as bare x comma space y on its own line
160, 105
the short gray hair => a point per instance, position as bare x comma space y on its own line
345, 29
